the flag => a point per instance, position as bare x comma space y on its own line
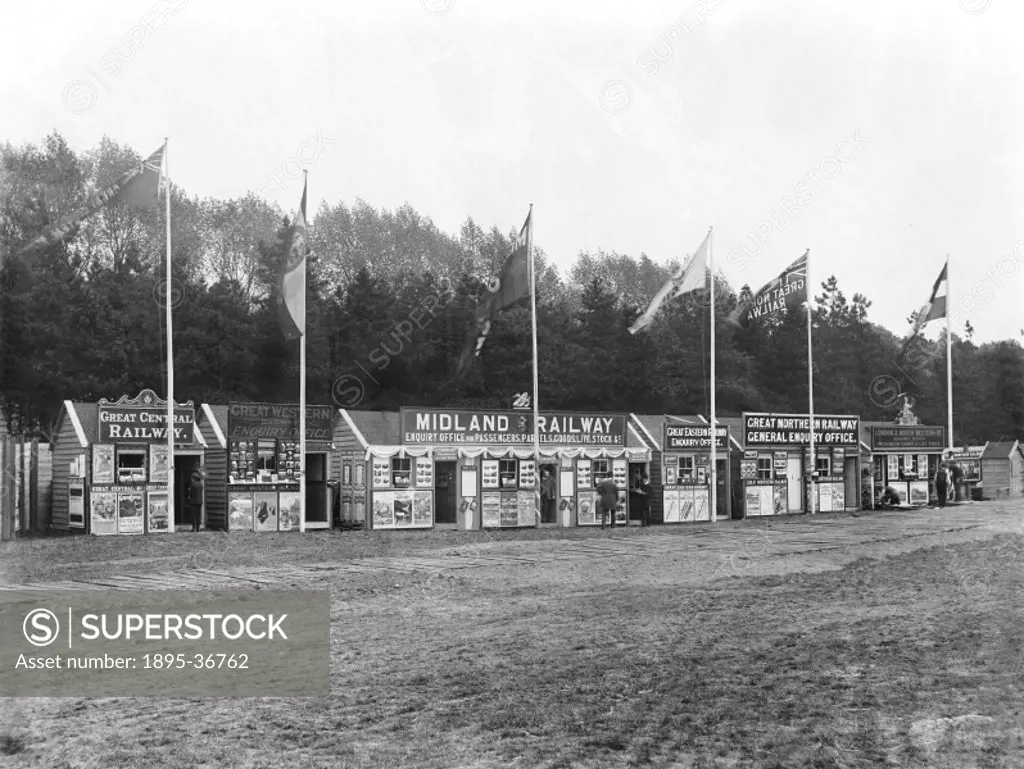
787, 290
935, 309
513, 286
692, 277
291, 293
138, 187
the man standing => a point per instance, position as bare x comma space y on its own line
645, 501
194, 498
608, 500
941, 482
956, 477
547, 496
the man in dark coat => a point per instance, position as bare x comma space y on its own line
608, 500
941, 483
957, 479
194, 499
645, 501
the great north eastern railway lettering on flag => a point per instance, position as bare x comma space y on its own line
429, 426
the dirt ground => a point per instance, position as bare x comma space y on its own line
834, 642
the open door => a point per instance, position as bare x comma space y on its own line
317, 506
445, 511
185, 512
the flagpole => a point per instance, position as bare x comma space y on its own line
949, 361
810, 387
302, 381
714, 421
170, 348
536, 407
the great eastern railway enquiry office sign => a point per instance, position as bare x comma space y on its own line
438, 426
791, 430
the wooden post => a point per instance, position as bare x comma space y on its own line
6, 488
33, 490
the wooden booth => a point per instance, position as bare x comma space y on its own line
686, 476
110, 468
262, 466
1002, 470
775, 469
420, 468
906, 458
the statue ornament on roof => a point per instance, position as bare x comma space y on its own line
907, 415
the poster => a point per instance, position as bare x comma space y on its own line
566, 508
468, 482
838, 496
527, 508
686, 510
670, 475
103, 513
130, 513
583, 479
240, 511
424, 472
489, 474
781, 499
824, 497
403, 509
620, 473
264, 507
103, 463
158, 463
423, 508
384, 510
701, 504
752, 501
509, 508
490, 508
622, 509
527, 474
381, 473
918, 492
157, 511
289, 510
468, 510
587, 509
672, 510
780, 462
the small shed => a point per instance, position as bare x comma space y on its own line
1002, 470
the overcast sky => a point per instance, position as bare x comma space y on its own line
631, 126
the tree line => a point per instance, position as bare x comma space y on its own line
390, 302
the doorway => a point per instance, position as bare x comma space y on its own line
637, 470
317, 507
548, 493
444, 493
185, 513
722, 487
795, 483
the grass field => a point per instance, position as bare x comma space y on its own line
838, 642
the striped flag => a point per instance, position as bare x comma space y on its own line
139, 188
935, 309
692, 277
512, 287
291, 290
787, 290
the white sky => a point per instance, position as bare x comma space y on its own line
479, 108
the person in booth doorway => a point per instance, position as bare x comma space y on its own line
194, 498
956, 475
547, 496
941, 483
608, 500
645, 501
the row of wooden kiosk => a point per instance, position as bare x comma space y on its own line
420, 468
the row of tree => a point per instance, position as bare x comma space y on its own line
390, 303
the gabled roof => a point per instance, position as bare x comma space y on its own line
217, 417
85, 417
1001, 449
377, 428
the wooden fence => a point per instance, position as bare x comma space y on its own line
26, 474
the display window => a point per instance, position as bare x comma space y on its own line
131, 465
823, 465
401, 473
764, 468
508, 473
601, 470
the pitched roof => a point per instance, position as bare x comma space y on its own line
1001, 449
379, 428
